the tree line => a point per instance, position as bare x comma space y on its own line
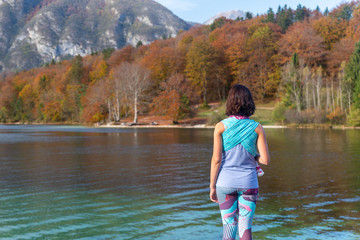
304, 58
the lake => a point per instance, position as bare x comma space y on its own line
69, 182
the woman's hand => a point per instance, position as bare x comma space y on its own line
213, 196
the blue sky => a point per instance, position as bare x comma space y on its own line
201, 10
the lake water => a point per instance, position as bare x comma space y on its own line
60, 182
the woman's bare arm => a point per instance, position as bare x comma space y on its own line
262, 146
216, 159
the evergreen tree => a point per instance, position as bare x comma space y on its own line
139, 44
346, 12
248, 15
299, 13
295, 60
352, 75
326, 12
76, 72
218, 23
317, 8
284, 17
270, 16
107, 53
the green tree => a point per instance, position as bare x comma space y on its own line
218, 23
139, 44
107, 52
346, 12
77, 70
299, 13
326, 12
293, 84
284, 17
352, 75
248, 15
270, 16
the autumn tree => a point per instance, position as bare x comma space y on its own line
353, 29
99, 70
97, 101
163, 59
73, 90
341, 52
331, 29
201, 59
303, 39
173, 98
262, 48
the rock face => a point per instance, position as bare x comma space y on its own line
33, 32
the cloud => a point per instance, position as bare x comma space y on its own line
180, 5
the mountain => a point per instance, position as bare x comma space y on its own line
234, 14
33, 32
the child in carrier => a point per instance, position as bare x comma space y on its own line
259, 170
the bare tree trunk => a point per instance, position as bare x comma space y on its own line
341, 96
117, 106
318, 88
307, 93
328, 102
349, 98
313, 93
109, 109
205, 91
135, 107
307, 80
332, 95
297, 93
133, 81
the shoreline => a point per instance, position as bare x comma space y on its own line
198, 126
184, 126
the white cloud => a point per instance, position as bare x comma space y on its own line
180, 5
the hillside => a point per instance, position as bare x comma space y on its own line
289, 57
33, 32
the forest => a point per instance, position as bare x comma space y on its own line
308, 61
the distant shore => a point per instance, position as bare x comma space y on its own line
199, 126
173, 126
196, 126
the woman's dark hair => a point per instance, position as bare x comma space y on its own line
240, 101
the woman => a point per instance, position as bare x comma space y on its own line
233, 178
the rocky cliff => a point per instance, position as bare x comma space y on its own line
33, 32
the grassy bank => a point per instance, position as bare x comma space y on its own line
264, 114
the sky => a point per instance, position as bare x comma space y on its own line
201, 10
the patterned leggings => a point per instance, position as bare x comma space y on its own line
237, 207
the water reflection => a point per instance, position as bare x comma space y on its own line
76, 182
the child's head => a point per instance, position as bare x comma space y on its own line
240, 101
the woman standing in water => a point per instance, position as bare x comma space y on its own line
233, 178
